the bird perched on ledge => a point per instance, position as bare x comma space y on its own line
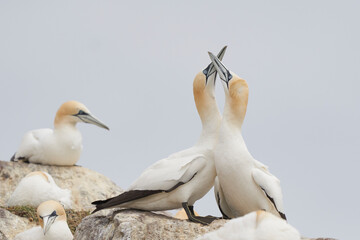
184, 177
246, 184
53, 225
59, 146
38, 187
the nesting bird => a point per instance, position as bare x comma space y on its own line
38, 187
61, 145
53, 225
258, 225
246, 184
184, 177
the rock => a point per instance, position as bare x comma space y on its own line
133, 224
10, 224
86, 185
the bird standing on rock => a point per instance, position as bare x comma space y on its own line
62, 145
246, 184
184, 177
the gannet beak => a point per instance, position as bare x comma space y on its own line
88, 118
224, 73
48, 221
210, 69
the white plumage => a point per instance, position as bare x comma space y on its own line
246, 184
61, 145
53, 225
186, 176
258, 225
38, 187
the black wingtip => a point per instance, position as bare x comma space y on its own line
12, 159
282, 215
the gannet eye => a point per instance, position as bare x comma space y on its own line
41, 217
229, 77
205, 71
81, 112
53, 214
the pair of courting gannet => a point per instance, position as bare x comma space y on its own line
184, 177
244, 184
53, 225
38, 187
259, 225
59, 146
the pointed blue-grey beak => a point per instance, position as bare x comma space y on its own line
210, 69
224, 73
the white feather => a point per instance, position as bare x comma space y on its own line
35, 189
254, 226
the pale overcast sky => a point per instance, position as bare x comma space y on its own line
132, 64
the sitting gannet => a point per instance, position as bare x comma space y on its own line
246, 184
184, 177
258, 225
53, 225
38, 187
61, 146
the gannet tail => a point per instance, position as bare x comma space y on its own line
123, 198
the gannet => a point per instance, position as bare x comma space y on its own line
246, 184
38, 187
53, 225
184, 177
259, 225
61, 146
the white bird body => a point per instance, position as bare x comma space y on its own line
58, 231
61, 145
258, 225
183, 177
236, 168
195, 171
246, 184
53, 225
38, 187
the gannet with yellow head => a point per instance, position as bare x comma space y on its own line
259, 225
61, 145
38, 187
53, 225
246, 184
184, 177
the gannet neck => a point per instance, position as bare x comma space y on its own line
204, 96
236, 100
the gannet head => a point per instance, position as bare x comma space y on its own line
49, 212
236, 89
72, 112
233, 84
204, 89
39, 173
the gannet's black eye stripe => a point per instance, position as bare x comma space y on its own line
53, 214
81, 112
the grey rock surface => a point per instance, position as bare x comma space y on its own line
133, 224
10, 224
86, 185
